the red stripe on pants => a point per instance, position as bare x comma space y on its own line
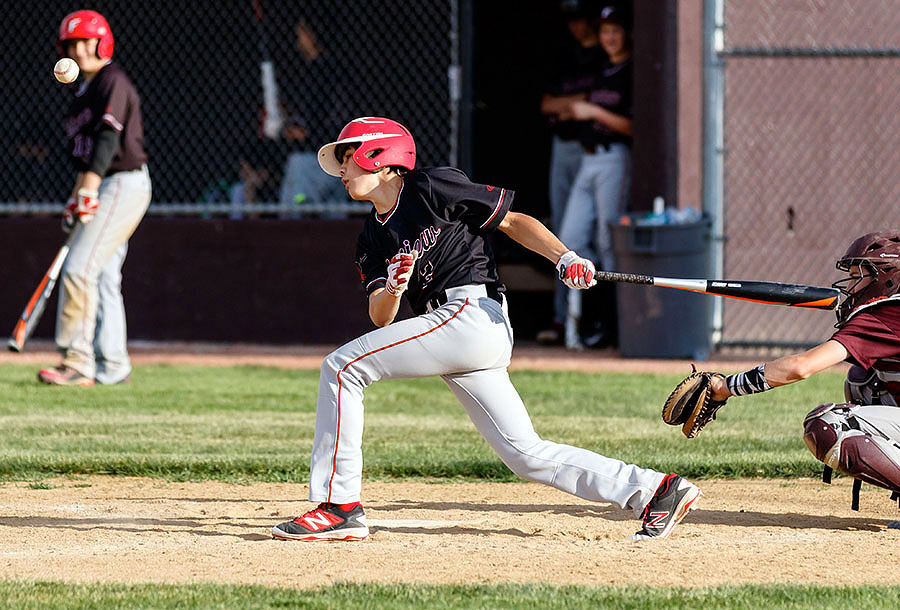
337, 438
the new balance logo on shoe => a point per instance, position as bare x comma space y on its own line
325, 522
656, 520
673, 499
317, 520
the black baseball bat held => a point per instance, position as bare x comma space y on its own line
35, 306
773, 293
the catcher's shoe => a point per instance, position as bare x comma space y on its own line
673, 499
64, 375
325, 522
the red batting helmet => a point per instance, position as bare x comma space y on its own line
86, 24
878, 255
380, 143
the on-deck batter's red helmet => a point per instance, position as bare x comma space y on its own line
380, 143
86, 24
878, 255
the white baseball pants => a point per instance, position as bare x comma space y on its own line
90, 322
468, 342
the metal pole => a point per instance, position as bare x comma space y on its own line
714, 142
454, 83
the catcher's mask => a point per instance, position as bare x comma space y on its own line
379, 143
878, 258
86, 24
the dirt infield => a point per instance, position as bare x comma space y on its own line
109, 529
140, 530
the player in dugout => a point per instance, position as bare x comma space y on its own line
860, 437
427, 238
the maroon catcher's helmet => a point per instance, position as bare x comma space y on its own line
878, 256
380, 143
86, 24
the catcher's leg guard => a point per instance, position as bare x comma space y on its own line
864, 387
860, 441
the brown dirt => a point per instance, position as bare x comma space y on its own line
129, 530
110, 529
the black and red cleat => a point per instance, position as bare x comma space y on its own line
326, 522
674, 498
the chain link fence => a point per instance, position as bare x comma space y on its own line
811, 159
197, 67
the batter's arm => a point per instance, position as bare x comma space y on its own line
383, 307
532, 234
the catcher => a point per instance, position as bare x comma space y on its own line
860, 437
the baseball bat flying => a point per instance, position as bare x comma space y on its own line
773, 293
35, 306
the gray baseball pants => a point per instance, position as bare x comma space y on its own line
467, 342
90, 323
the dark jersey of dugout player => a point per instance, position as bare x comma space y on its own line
872, 338
445, 217
611, 90
108, 102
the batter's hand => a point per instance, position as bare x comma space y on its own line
399, 271
68, 215
575, 271
82, 207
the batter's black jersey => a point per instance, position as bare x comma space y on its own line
445, 217
109, 100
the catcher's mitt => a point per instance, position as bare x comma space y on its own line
690, 404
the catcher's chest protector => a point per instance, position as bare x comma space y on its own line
860, 441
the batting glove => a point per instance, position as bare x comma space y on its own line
83, 207
575, 271
68, 215
399, 271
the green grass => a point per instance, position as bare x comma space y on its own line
27, 595
256, 424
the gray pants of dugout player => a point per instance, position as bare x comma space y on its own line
468, 343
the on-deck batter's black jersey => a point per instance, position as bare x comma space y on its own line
445, 217
109, 100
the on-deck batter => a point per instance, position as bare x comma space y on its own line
111, 194
426, 237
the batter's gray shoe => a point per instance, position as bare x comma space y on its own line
325, 522
673, 499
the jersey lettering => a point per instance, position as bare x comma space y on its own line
427, 240
445, 218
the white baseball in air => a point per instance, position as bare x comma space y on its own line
66, 70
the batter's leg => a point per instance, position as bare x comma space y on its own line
459, 336
124, 198
498, 413
110, 349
